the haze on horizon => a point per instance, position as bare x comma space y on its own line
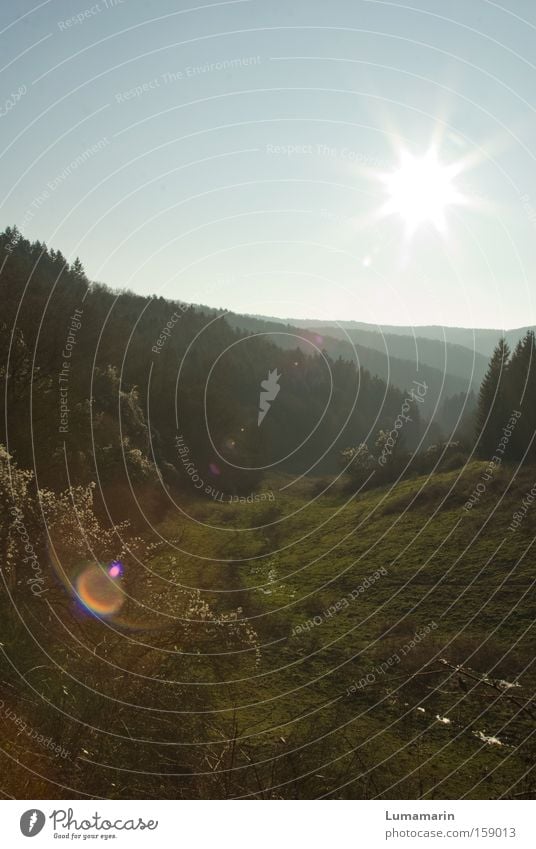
383, 325
332, 163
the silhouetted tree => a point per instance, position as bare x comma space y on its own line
493, 401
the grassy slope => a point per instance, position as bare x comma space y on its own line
465, 572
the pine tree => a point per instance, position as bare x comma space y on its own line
11, 238
522, 393
492, 401
78, 269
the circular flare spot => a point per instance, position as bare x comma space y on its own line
116, 569
99, 591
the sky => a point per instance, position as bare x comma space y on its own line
254, 154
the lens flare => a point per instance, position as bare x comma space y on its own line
116, 569
99, 590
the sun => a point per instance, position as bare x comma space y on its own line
420, 191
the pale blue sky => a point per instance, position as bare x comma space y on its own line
253, 186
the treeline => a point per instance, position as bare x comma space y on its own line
506, 416
99, 385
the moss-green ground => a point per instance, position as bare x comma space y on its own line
462, 576
210, 710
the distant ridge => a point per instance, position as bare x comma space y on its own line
447, 371
481, 340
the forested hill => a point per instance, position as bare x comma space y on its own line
114, 378
452, 359
447, 370
481, 341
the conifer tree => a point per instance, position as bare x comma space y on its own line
78, 269
522, 394
492, 400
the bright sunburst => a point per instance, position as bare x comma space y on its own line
421, 190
